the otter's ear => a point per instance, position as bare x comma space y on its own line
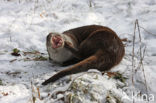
50, 33
49, 36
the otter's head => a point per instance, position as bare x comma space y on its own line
55, 47
55, 40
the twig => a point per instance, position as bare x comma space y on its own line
90, 3
38, 91
141, 55
146, 30
33, 90
137, 23
144, 78
133, 54
34, 11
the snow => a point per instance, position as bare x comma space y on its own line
14, 94
26, 23
93, 88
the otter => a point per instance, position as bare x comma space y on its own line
94, 46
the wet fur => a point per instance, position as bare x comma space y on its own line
98, 47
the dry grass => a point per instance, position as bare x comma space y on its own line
141, 55
35, 93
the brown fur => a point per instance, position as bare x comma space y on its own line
99, 48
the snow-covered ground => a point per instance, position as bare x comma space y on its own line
24, 24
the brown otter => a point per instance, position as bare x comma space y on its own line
94, 45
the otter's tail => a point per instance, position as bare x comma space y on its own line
82, 66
